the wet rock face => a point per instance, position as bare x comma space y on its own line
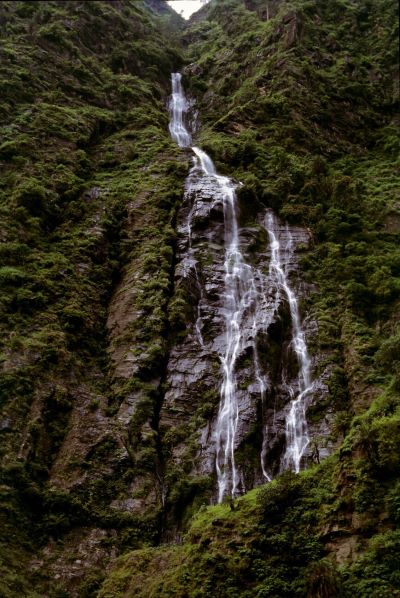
189, 413
194, 365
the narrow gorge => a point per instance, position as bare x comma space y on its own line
200, 293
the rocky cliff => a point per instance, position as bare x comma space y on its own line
116, 276
90, 189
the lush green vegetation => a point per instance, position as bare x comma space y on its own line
273, 543
310, 127
297, 100
89, 190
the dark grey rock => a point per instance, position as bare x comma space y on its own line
194, 371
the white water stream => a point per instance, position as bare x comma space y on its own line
239, 293
296, 424
178, 107
244, 299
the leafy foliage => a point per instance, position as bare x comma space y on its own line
296, 101
84, 136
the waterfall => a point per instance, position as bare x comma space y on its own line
178, 108
296, 424
238, 295
199, 321
247, 309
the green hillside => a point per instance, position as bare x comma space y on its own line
84, 136
297, 100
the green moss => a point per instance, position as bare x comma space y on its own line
298, 105
291, 106
84, 132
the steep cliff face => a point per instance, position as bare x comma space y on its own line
307, 125
267, 368
89, 195
298, 102
141, 284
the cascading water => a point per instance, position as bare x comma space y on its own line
238, 296
239, 291
178, 107
249, 302
179, 133
296, 424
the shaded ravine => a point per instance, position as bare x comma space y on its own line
249, 302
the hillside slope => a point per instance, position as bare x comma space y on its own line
299, 101
107, 398
88, 190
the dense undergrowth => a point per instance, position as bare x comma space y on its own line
273, 543
83, 136
310, 128
297, 99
